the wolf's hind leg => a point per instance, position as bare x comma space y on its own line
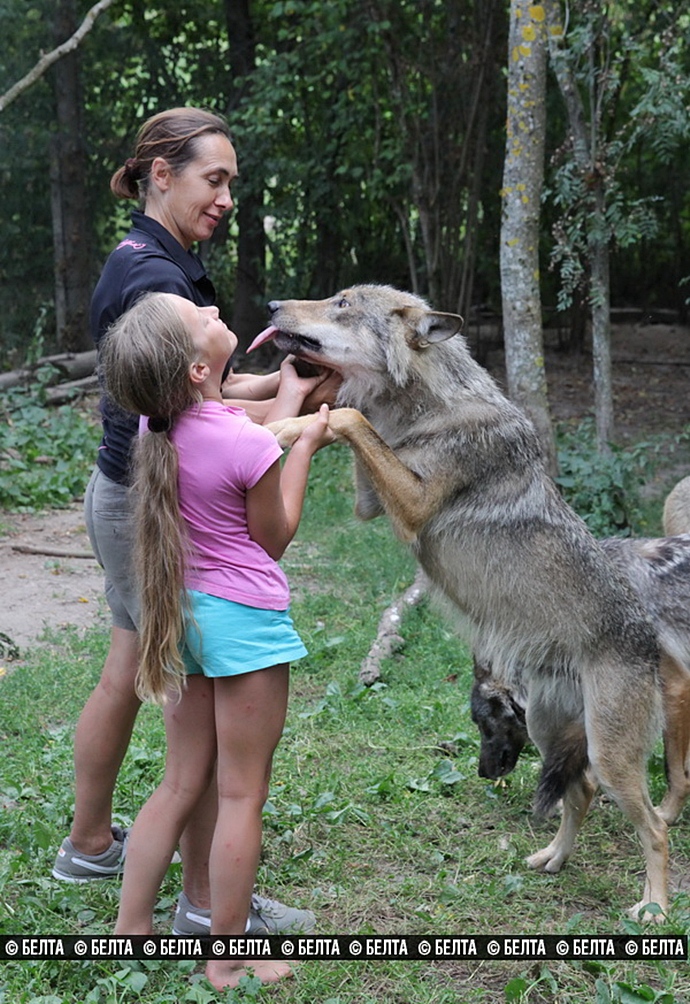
620, 735
676, 691
576, 802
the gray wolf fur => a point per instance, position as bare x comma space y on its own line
659, 572
459, 472
677, 509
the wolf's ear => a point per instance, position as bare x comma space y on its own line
428, 326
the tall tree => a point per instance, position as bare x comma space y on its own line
523, 175
622, 74
442, 62
587, 142
68, 168
249, 311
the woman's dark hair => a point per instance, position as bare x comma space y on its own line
172, 135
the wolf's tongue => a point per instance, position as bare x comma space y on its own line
263, 337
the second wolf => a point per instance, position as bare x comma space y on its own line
659, 572
458, 469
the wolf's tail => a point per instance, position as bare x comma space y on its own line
564, 763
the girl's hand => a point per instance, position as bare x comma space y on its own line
251, 386
325, 392
292, 391
295, 386
316, 433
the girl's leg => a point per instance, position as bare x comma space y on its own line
191, 750
195, 847
250, 714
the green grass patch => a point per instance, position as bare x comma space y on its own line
376, 818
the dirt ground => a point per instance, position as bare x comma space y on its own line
44, 590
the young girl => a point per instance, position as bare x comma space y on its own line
214, 515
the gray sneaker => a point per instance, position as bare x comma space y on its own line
72, 866
266, 916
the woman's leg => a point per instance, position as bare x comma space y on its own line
106, 722
100, 743
191, 750
250, 715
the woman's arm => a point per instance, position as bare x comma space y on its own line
283, 394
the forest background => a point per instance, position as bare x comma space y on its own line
373, 146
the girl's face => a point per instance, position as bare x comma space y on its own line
214, 341
192, 203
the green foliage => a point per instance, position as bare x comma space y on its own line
46, 453
604, 488
629, 76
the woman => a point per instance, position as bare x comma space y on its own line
181, 172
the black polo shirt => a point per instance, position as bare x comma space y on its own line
147, 259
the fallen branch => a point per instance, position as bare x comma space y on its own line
67, 365
388, 640
51, 552
45, 62
63, 393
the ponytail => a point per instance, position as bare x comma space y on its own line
144, 363
160, 545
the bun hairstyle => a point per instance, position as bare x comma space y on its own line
144, 360
173, 135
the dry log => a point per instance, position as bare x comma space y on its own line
388, 640
66, 392
68, 365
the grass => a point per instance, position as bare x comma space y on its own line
376, 819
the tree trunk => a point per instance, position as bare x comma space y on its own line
584, 140
601, 324
522, 185
68, 168
249, 314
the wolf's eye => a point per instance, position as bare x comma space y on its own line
343, 302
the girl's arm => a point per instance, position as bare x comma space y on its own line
274, 504
282, 394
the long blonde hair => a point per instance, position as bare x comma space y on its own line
145, 361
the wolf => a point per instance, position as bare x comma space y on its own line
459, 471
659, 572
676, 516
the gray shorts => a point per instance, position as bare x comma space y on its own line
109, 522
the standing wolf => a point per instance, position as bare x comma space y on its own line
659, 572
458, 470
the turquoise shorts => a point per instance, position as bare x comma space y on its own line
223, 638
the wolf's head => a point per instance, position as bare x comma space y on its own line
364, 329
499, 714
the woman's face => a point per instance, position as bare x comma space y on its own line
192, 203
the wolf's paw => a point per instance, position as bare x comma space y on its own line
671, 807
641, 911
288, 430
551, 859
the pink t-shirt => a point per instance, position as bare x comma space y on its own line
221, 454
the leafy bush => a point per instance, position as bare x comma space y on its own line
604, 489
46, 453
